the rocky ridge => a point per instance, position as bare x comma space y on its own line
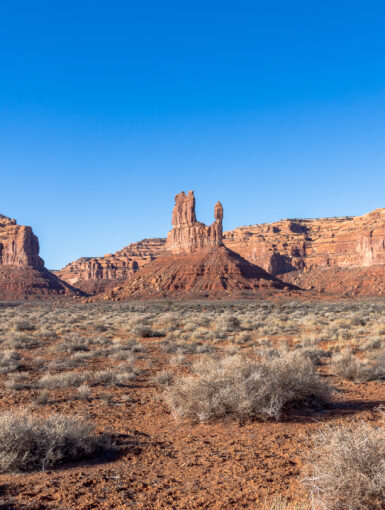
291, 245
307, 251
96, 274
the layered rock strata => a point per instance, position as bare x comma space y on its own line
189, 235
96, 274
292, 245
18, 244
196, 264
22, 271
207, 273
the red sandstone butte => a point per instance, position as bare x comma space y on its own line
189, 235
22, 271
196, 264
333, 255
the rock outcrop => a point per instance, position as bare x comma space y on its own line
189, 235
196, 264
96, 274
306, 252
18, 245
292, 245
22, 271
208, 273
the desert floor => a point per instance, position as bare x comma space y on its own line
113, 364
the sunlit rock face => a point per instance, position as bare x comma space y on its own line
18, 245
189, 235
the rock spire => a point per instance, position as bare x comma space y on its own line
189, 235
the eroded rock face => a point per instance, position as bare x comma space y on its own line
291, 245
189, 235
96, 274
207, 273
18, 245
22, 271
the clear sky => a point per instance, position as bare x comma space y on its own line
109, 108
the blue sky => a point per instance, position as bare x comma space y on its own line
108, 109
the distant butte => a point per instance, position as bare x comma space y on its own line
189, 235
22, 271
196, 264
344, 255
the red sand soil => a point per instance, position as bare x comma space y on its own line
165, 464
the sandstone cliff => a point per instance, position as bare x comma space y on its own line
290, 245
96, 274
293, 247
18, 245
196, 264
189, 235
22, 271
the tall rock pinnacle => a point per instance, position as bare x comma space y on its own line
189, 235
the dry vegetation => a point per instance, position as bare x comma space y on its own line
77, 379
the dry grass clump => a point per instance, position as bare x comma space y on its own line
21, 341
29, 442
351, 368
226, 323
163, 378
245, 389
147, 332
346, 468
61, 381
24, 325
72, 343
280, 503
9, 361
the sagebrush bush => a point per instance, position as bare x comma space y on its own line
9, 361
347, 366
243, 388
30, 442
346, 468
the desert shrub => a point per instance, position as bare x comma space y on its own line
185, 347
371, 344
84, 391
122, 355
28, 442
22, 342
280, 503
312, 353
17, 382
42, 397
347, 366
24, 326
178, 359
9, 361
147, 332
243, 388
243, 337
100, 327
164, 378
227, 323
345, 468
114, 376
72, 343
64, 380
